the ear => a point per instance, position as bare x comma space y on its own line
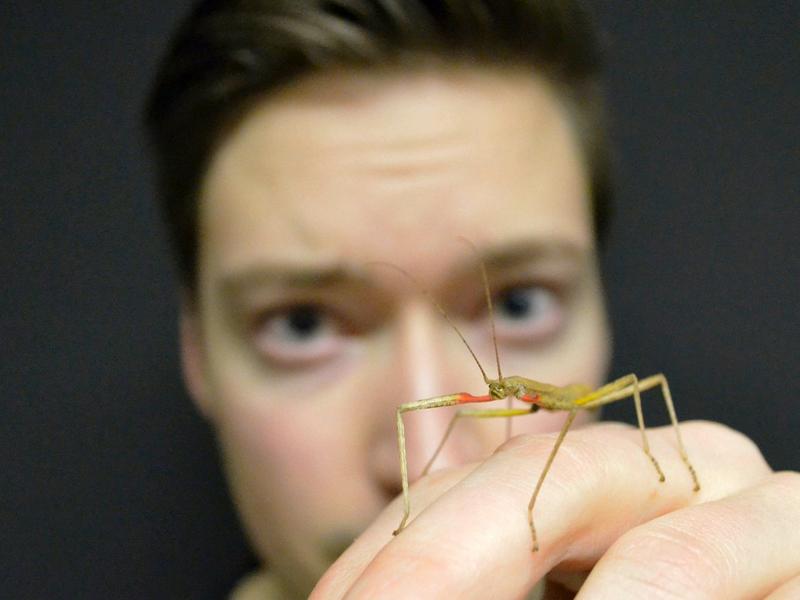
193, 360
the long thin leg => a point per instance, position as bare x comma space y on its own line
543, 474
634, 390
623, 387
502, 412
437, 402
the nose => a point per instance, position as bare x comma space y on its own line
420, 368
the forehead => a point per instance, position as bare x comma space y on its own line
360, 166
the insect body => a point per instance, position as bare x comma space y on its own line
570, 398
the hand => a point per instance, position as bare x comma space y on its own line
606, 526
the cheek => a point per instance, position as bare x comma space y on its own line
280, 441
284, 458
297, 472
275, 476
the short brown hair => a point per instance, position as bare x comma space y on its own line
228, 53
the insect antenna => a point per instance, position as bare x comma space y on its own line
490, 307
441, 310
489, 304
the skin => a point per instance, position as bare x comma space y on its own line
298, 351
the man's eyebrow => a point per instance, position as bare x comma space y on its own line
515, 253
283, 276
238, 283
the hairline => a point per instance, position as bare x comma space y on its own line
573, 81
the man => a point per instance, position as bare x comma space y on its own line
299, 144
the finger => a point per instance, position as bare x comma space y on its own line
349, 566
788, 591
741, 546
475, 534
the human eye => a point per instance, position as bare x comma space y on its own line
528, 313
296, 336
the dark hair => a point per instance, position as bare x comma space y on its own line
228, 54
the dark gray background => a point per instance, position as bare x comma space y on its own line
110, 486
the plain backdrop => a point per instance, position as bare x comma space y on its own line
110, 486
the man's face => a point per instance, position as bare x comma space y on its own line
300, 347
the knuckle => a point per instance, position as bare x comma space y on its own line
785, 484
580, 464
531, 445
667, 562
722, 439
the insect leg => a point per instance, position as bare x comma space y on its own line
624, 387
489, 413
661, 380
634, 390
543, 474
437, 402
647, 384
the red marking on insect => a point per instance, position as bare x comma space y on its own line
531, 398
465, 398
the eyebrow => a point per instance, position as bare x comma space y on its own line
525, 251
283, 276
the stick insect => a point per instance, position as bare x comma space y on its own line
538, 395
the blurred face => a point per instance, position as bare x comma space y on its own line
300, 347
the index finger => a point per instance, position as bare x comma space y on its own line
472, 540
